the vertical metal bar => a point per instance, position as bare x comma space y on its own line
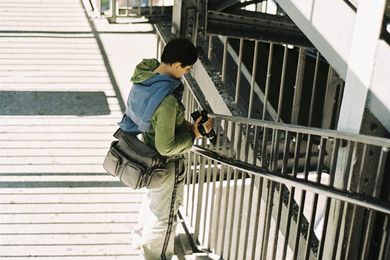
127, 8
380, 171
224, 58
246, 143
268, 216
190, 169
252, 183
376, 193
233, 154
332, 172
113, 11
217, 124
210, 47
187, 99
239, 65
257, 215
99, 7
310, 230
195, 29
371, 214
194, 181
157, 46
291, 197
208, 176
221, 178
139, 8
343, 205
263, 156
330, 94
366, 244
253, 79
194, 175
303, 196
282, 83
268, 79
385, 237
268, 211
227, 192
280, 202
162, 7
242, 193
298, 86
199, 205
189, 183
150, 7
354, 207
248, 217
313, 92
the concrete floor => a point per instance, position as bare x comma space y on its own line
62, 83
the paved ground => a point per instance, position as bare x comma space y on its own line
61, 83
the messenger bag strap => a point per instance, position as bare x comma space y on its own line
171, 212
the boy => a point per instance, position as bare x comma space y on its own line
154, 108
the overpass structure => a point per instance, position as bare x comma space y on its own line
297, 89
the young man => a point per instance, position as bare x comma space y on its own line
154, 108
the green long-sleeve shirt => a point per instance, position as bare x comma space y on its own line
170, 133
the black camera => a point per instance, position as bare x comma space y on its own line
210, 135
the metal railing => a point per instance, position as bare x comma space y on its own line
270, 190
287, 83
138, 8
267, 191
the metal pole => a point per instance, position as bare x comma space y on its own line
113, 10
268, 79
313, 92
238, 81
210, 47
332, 172
253, 80
139, 8
282, 83
224, 58
227, 192
199, 206
298, 86
291, 197
310, 230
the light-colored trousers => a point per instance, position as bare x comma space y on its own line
152, 225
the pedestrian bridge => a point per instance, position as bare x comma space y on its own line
281, 183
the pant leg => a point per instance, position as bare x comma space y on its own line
157, 214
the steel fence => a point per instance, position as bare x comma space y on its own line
138, 8
270, 190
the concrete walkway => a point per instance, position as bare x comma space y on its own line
61, 81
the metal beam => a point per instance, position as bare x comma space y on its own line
256, 26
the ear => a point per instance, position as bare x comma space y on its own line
176, 65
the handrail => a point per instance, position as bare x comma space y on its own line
350, 197
328, 133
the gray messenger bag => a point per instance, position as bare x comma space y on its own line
136, 164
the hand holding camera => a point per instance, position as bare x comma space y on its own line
204, 126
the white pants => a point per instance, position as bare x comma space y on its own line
153, 221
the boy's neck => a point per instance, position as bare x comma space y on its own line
164, 68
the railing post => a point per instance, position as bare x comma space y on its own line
113, 11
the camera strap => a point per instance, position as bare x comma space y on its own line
171, 212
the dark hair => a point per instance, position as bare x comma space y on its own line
179, 50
